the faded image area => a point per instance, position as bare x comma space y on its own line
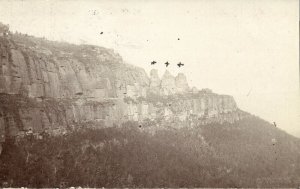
149, 94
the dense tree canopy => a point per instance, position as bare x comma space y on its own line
242, 154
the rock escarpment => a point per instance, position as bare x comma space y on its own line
51, 86
39, 70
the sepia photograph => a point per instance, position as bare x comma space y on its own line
149, 94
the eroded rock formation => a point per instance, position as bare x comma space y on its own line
181, 83
168, 85
51, 86
154, 81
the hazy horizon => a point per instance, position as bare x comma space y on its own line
246, 49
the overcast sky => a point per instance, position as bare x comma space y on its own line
248, 49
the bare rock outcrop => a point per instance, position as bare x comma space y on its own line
168, 85
85, 72
181, 83
51, 86
154, 81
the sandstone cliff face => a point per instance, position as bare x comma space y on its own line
88, 71
181, 83
168, 85
154, 82
50, 86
